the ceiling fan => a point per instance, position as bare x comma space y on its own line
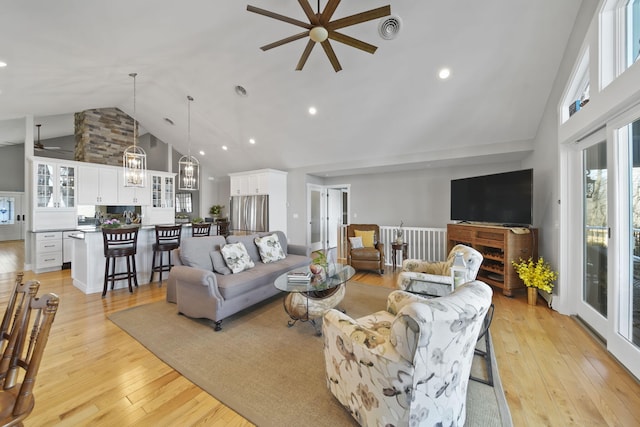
39, 146
321, 28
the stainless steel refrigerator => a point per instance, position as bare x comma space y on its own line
249, 214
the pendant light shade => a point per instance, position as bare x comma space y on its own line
134, 159
188, 166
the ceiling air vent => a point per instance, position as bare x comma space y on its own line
389, 27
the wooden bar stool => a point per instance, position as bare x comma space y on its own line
118, 243
167, 239
200, 230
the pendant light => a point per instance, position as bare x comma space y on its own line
134, 159
188, 166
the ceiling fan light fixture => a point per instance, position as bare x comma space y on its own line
318, 34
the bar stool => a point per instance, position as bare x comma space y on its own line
200, 230
120, 242
167, 239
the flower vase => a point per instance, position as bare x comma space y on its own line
532, 295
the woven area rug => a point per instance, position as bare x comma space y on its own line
269, 373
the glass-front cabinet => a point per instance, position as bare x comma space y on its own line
162, 190
54, 195
162, 207
55, 185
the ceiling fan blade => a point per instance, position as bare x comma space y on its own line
305, 55
308, 10
285, 40
360, 17
328, 11
350, 41
331, 55
278, 17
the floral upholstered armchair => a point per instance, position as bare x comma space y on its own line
434, 278
410, 364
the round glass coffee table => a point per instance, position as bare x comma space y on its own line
308, 301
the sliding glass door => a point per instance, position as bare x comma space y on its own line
595, 238
629, 303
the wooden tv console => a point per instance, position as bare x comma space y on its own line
499, 246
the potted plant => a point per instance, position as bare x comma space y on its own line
216, 210
535, 275
198, 220
111, 223
182, 218
319, 265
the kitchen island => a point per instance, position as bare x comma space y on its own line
88, 262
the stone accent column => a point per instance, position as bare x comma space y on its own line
102, 135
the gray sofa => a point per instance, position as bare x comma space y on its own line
203, 287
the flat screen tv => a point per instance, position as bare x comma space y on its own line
502, 198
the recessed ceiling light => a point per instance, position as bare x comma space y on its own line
211, 178
201, 153
225, 148
240, 91
444, 73
252, 141
312, 111
3, 64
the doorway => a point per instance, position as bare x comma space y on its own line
12, 216
327, 212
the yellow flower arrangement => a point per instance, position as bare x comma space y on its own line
536, 274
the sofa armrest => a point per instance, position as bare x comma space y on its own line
191, 276
299, 250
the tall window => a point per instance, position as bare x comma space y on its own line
619, 38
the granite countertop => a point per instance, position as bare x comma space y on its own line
94, 228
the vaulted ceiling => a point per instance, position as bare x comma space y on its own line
382, 111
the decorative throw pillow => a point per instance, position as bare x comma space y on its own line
236, 257
356, 242
219, 266
368, 237
269, 248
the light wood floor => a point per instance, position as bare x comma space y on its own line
554, 373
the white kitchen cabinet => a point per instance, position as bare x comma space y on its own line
252, 183
48, 251
54, 195
127, 196
162, 209
97, 185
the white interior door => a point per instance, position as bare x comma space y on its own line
315, 216
334, 216
12, 216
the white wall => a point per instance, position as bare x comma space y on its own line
545, 159
12, 168
419, 198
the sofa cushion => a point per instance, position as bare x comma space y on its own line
249, 245
219, 266
236, 285
281, 238
236, 257
368, 237
365, 254
194, 251
269, 248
